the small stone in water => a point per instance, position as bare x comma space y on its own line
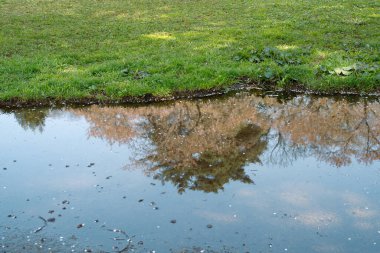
51, 211
4, 168
209, 226
141, 200
51, 220
173, 221
80, 225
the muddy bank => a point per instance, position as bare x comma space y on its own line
244, 84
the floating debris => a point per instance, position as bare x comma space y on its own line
81, 225
42, 227
209, 226
173, 221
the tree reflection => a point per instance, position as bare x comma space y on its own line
202, 145
197, 145
218, 159
333, 131
33, 119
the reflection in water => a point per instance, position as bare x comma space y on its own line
202, 145
198, 146
72, 185
33, 119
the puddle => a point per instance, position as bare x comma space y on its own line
237, 174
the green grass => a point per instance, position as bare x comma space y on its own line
88, 48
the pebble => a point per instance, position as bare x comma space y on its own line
51, 220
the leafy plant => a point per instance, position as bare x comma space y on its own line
280, 57
357, 68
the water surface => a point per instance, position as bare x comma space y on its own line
242, 173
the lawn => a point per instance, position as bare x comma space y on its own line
111, 49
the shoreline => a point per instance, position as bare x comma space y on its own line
244, 85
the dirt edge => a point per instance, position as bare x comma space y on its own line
244, 84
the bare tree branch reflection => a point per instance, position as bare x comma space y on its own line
201, 145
